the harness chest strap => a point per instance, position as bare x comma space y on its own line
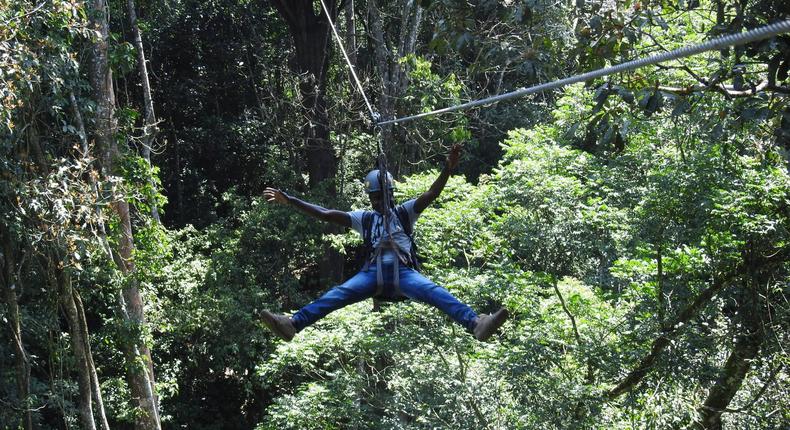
387, 244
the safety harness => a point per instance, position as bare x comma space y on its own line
387, 242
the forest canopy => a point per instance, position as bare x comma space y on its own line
636, 226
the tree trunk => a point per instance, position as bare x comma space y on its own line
78, 343
140, 378
746, 347
744, 351
321, 160
91, 366
97, 395
350, 35
131, 302
22, 360
149, 129
661, 305
310, 31
392, 72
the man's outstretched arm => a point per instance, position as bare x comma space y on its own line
429, 196
324, 214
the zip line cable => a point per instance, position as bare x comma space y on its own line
718, 43
373, 115
714, 44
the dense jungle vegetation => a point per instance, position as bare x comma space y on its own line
637, 227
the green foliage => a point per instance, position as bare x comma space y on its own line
551, 215
228, 102
430, 89
651, 206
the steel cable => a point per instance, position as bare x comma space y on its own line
714, 44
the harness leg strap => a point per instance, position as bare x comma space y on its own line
379, 274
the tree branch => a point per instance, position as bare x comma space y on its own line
759, 394
646, 363
727, 90
567, 312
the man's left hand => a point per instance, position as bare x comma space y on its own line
454, 156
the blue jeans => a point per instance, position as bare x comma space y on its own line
363, 286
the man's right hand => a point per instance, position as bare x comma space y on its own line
275, 195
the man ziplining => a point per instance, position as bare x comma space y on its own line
390, 265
